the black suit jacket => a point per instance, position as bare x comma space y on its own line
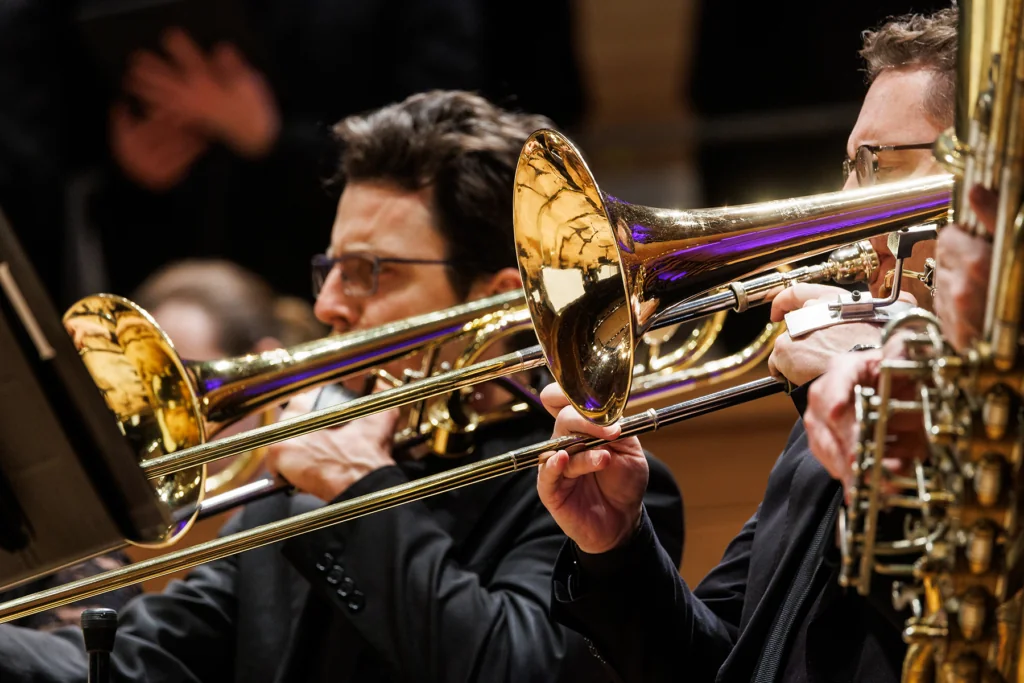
647, 624
453, 588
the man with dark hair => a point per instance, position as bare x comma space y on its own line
772, 610
454, 588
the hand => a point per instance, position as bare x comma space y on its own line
833, 433
153, 151
221, 95
595, 496
801, 360
962, 273
327, 462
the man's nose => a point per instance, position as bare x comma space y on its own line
334, 307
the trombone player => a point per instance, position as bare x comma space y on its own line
453, 589
772, 609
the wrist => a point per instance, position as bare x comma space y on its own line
602, 564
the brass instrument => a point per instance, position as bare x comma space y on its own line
958, 562
601, 272
592, 291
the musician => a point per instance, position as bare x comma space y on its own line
772, 610
453, 588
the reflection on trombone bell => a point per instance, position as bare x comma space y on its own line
598, 274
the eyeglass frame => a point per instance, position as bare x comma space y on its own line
323, 261
850, 165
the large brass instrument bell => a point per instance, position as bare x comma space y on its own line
957, 559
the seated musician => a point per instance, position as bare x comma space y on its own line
772, 610
454, 588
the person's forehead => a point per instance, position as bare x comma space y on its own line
383, 219
893, 111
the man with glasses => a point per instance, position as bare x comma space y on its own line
453, 588
772, 611
904, 111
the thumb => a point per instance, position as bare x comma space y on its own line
907, 297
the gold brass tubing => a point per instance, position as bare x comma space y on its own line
700, 342
333, 416
419, 489
651, 387
234, 387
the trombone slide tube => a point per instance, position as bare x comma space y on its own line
523, 458
510, 363
235, 387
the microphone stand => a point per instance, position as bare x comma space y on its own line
99, 626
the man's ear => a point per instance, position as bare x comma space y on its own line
505, 280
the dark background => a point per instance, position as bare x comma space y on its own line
773, 89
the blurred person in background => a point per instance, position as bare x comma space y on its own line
220, 156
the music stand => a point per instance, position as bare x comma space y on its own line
70, 485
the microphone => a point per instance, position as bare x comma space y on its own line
99, 626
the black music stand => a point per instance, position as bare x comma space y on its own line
70, 485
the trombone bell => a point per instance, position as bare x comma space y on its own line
599, 271
146, 386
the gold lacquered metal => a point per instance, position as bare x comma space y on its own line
849, 263
600, 271
147, 388
164, 405
685, 265
419, 489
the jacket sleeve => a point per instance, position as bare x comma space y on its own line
397, 580
642, 619
183, 635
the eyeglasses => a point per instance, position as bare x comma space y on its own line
865, 162
360, 271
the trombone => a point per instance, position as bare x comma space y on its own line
598, 275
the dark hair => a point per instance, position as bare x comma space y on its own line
242, 305
927, 41
462, 147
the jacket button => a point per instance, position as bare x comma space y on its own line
357, 601
336, 575
346, 587
325, 562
